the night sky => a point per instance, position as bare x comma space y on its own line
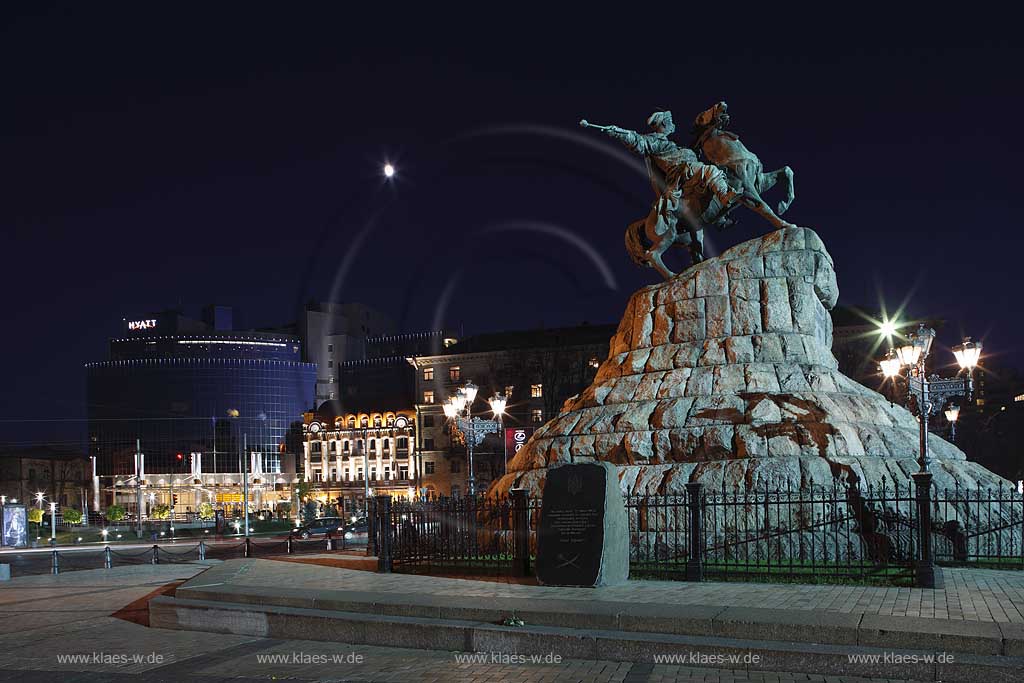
154, 159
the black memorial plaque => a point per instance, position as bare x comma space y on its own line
571, 537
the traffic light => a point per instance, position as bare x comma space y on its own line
174, 500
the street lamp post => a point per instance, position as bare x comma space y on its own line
459, 410
930, 394
498, 403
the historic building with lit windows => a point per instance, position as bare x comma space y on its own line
349, 456
537, 370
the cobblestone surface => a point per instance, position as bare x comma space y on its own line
970, 594
45, 618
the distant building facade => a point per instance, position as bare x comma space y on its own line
63, 475
537, 369
202, 403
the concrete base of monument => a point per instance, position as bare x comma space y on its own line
248, 597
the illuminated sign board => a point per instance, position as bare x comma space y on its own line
15, 526
516, 438
141, 324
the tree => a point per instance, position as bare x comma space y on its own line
160, 512
114, 513
35, 516
206, 511
284, 508
309, 512
72, 516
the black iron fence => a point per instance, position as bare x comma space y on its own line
57, 560
892, 533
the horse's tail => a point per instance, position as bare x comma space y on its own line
634, 243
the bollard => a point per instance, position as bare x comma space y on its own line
925, 575
371, 528
248, 548
202, 550
156, 554
289, 547
107, 559
55, 568
330, 544
520, 532
695, 556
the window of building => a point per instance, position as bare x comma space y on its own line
536, 390
428, 444
387, 473
330, 363
428, 396
359, 474
359, 445
386, 445
402, 444
351, 423
364, 421
314, 447
403, 471
391, 420
331, 395
271, 463
318, 476
428, 467
373, 474
455, 373
456, 466
508, 391
428, 420
536, 415
330, 348
346, 446
348, 474
376, 420
428, 374
373, 445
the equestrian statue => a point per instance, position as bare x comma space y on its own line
695, 187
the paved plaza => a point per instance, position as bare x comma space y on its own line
82, 626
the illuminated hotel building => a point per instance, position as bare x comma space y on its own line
196, 397
345, 455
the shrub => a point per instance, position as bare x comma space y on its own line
72, 516
35, 516
160, 512
206, 511
114, 513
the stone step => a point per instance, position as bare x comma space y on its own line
748, 623
471, 635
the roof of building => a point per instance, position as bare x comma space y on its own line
580, 335
44, 452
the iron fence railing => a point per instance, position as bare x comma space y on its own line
835, 532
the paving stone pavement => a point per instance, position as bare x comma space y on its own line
46, 619
969, 595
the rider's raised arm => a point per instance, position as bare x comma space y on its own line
630, 138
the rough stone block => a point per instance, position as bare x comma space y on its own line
775, 313
739, 350
718, 322
674, 383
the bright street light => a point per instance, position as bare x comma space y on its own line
389, 170
887, 329
967, 354
498, 403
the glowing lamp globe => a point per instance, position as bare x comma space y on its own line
952, 413
890, 365
469, 391
967, 354
498, 403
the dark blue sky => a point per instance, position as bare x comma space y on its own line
152, 158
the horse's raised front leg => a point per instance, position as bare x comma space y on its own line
654, 258
753, 201
767, 181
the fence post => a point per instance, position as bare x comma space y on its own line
330, 545
156, 554
202, 550
520, 532
371, 527
925, 575
107, 560
383, 509
248, 548
695, 554
55, 568
289, 547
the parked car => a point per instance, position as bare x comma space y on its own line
320, 526
356, 530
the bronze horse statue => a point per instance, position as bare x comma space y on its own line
723, 148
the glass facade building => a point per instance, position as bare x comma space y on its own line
181, 391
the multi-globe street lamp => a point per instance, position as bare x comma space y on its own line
459, 411
931, 394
